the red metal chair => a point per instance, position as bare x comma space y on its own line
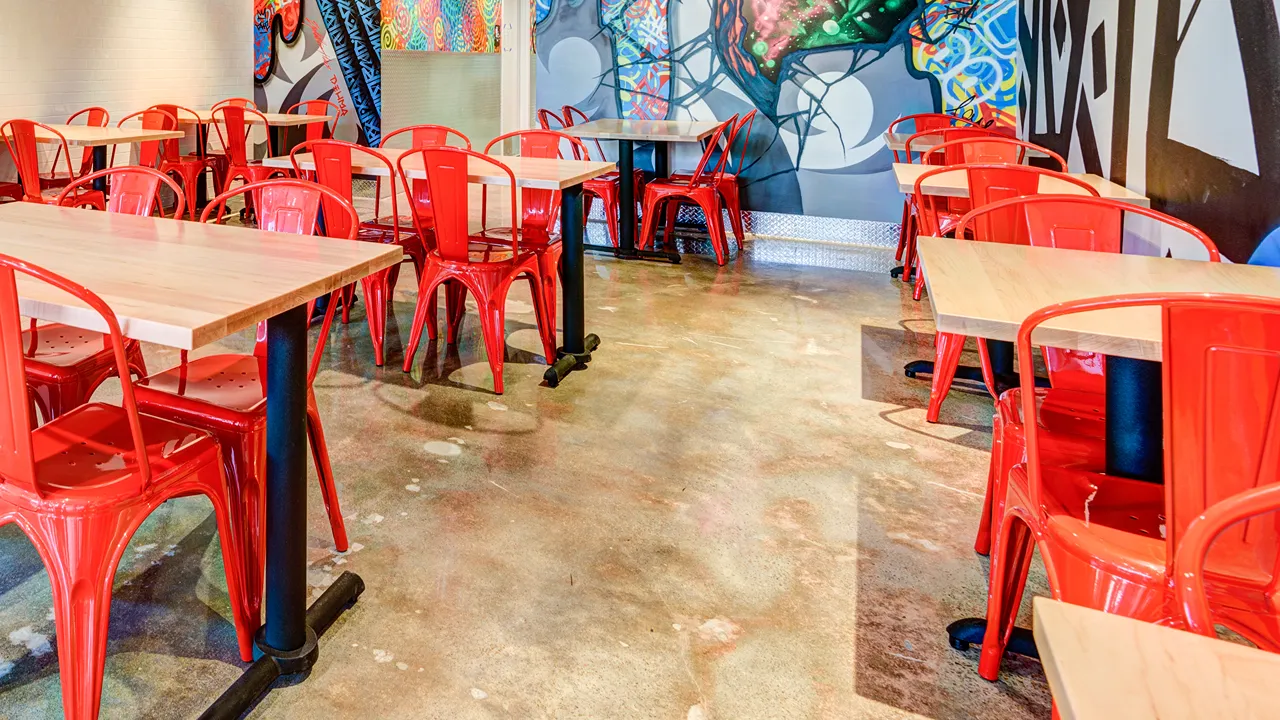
190, 168
93, 117
226, 395
702, 189
238, 146
134, 190
1109, 542
540, 210
484, 268
152, 119
317, 131
20, 138
1240, 603
79, 487
728, 186
987, 184
919, 122
1072, 416
333, 162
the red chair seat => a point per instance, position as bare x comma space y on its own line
65, 346
93, 471
91, 198
64, 365
230, 382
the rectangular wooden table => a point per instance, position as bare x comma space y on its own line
100, 138
628, 132
563, 176
188, 284
956, 184
1109, 667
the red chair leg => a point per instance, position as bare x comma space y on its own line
918, 291
902, 230
538, 288
729, 193
320, 454
349, 298
81, 573
244, 461
549, 269
493, 311
426, 302
455, 309
609, 198
988, 372
710, 204
946, 359
648, 225
1010, 563
669, 224
982, 542
376, 295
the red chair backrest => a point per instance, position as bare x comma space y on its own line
992, 183
236, 141
422, 136
171, 150
237, 102
954, 154
1221, 378
986, 149
1189, 562
573, 116
134, 190
704, 174
317, 131
333, 163
154, 118
286, 205
931, 121
744, 130
539, 206
447, 171
20, 139
17, 466
93, 117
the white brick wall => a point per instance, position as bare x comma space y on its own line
59, 56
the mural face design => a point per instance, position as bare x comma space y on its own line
270, 17
1177, 100
333, 54
827, 77
442, 25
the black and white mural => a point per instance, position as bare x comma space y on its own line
1177, 99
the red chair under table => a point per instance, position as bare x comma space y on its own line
1207, 598
20, 138
318, 130
540, 210
226, 395
483, 267
1072, 416
333, 163
236, 102
93, 117
987, 184
728, 186
605, 187
79, 487
1109, 542
65, 365
701, 188
149, 150
919, 122
190, 168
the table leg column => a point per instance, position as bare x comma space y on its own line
577, 344
288, 642
100, 163
1135, 419
626, 198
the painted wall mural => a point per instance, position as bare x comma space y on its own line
1178, 99
332, 52
442, 25
827, 76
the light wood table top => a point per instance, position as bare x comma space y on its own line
898, 142
644, 130
87, 136
985, 289
172, 282
273, 119
956, 184
536, 173
1109, 667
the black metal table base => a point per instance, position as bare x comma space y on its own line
272, 665
567, 362
578, 345
657, 255
970, 631
897, 272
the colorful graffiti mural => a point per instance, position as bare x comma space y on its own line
442, 25
272, 18
333, 53
827, 76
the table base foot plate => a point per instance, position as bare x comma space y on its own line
567, 362
970, 631
258, 677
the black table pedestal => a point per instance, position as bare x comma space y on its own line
578, 345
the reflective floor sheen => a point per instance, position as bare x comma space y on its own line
737, 512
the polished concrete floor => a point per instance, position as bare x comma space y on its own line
736, 512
